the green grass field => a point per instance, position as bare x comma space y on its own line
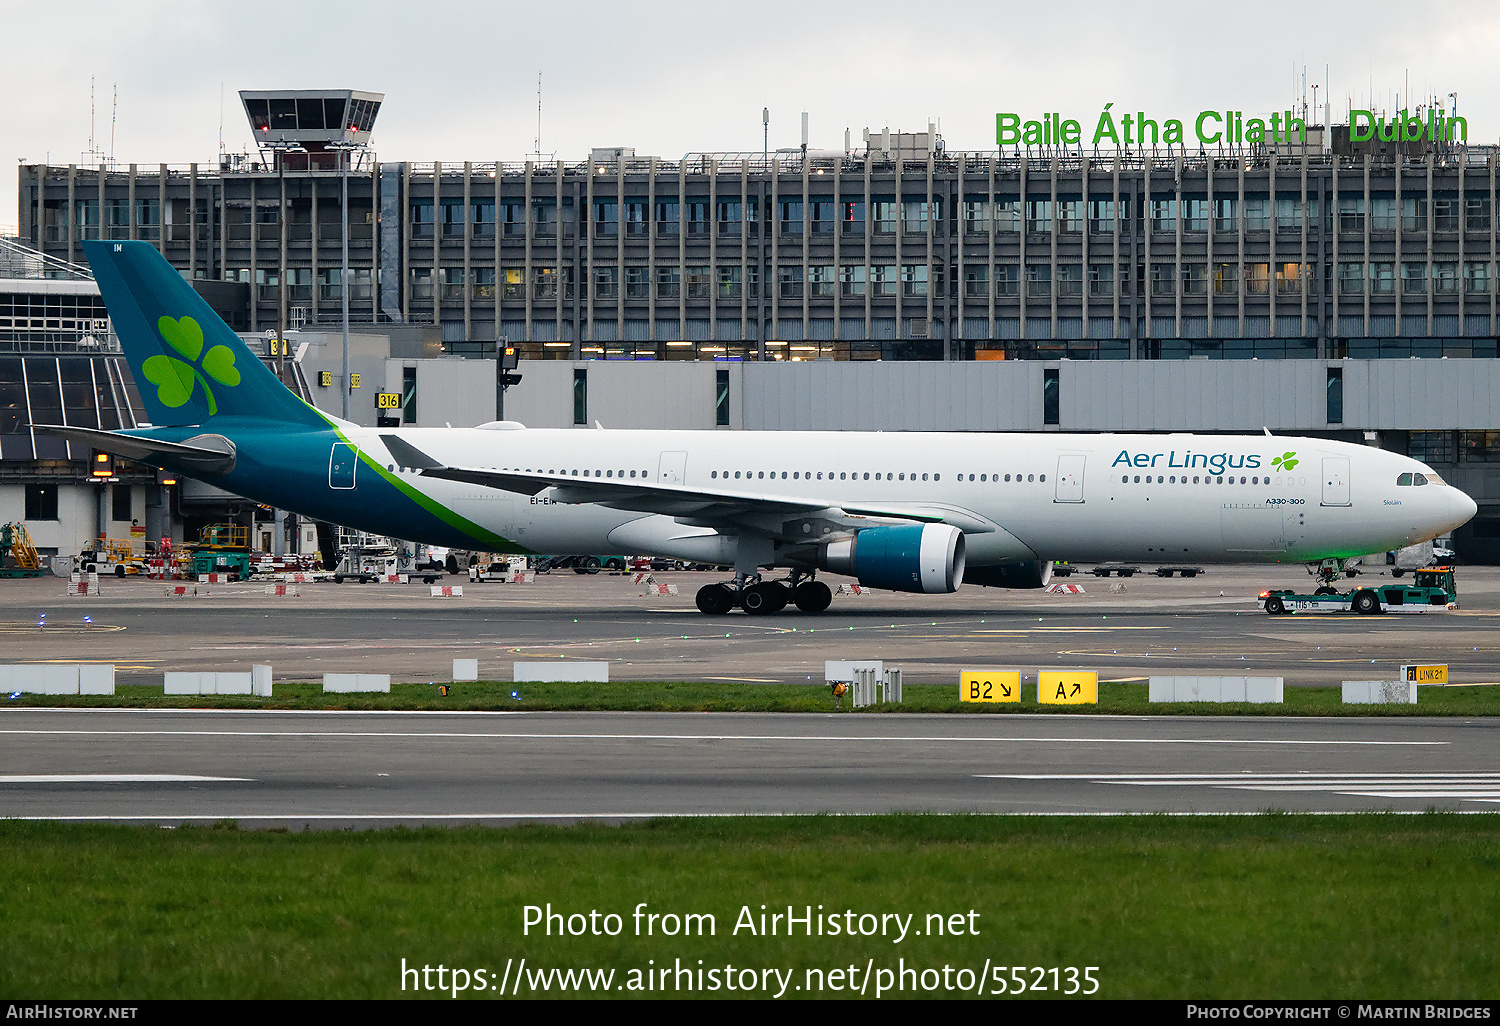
1269, 906
711, 696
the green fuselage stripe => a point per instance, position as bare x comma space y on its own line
450, 517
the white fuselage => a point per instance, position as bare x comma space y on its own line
1017, 497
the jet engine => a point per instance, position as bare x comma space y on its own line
1032, 574
927, 558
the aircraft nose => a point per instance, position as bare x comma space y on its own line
1463, 507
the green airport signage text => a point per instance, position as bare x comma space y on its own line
1218, 127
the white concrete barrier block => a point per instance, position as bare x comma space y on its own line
1261, 690
1379, 692
58, 680
562, 670
1215, 689
96, 679
231, 683
260, 681
843, 669
179, 683
40, 679
465, 669
350, 682
1232, 689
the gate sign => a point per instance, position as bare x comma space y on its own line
1067, 688
1425, 674
989, 686
388, 400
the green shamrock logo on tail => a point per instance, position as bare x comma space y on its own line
175, 379
1286, 461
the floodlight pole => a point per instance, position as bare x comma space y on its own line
344, 273
280, 155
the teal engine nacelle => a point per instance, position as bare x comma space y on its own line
926, 558
1031, 574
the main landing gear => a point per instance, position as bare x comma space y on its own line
761, 598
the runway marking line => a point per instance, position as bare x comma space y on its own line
816, 738
450, 816
1458, 785
113, 778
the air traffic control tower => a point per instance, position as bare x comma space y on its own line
306, 129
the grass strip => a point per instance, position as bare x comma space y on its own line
1270, 906
1119, 698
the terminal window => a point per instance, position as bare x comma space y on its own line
41, 502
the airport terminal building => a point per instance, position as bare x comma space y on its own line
1321, 287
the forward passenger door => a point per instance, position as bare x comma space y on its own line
1336, 481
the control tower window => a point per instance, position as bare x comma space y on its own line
283, 115
259, 112
310, 114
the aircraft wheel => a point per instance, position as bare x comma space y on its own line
715, 599
1366, 602
763, 599
1275, 606
812, 596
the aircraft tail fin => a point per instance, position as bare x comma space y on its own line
189, 367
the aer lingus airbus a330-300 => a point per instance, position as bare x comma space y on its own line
916, 512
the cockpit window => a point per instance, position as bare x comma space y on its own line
1434, 479
1404, 480
1419, 479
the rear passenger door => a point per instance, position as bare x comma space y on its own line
1069, 478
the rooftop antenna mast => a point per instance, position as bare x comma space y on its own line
114, 114
539, 154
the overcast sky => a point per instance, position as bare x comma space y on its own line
669, 77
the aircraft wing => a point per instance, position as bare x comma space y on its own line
697, 506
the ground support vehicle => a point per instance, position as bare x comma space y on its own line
1168, 571
1123, 569
498, 571
1432, 590
221, 549
18, 557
